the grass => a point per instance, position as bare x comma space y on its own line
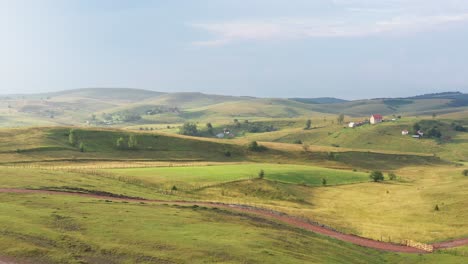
62, 229
208, 175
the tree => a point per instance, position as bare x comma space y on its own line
261, 174
237, 124
324, 182
72, 138
308, 124
82, 147
465, 172
340, 119
436, 208
376, 176
132, 142
434, 115
254, 146
209, 128
434, 132
392, 176
189, 129
174, 188
416, 128
120, 143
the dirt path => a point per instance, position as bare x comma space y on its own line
293, 221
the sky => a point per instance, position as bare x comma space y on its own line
268, 48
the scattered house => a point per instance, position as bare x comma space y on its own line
404, 132
375, 119
393, 119
220, 135
416, 136
420, 133
351, 124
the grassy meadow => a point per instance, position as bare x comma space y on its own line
320, 173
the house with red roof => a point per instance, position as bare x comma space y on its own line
375, 119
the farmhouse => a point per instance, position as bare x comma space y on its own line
374, 119
404, 132
351, 124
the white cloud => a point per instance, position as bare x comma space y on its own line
357, 18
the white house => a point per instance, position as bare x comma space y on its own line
351, 124
404, 132
220, 135
374, 119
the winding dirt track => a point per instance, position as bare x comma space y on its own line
273, 215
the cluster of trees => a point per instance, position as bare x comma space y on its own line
430, 129
378, 176
125, 116
74, 141
189, 129
458, 127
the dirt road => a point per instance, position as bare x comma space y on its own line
268, 214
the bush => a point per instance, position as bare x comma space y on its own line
392, 176
376, 176
261, 174
436, 208
227, 153
465, 172
297, 141
254, 146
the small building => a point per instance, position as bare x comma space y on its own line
375, 119
420, 133
220, 135
416, 136
351, 124
404, 132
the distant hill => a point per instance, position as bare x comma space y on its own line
319, 100
126, 106
107, 94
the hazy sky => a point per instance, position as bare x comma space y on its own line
275, 48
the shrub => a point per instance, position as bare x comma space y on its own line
376, 176
174, 188
465, 172
261, 174
227, 153
392, 176
436, 208
297, 141
324, 182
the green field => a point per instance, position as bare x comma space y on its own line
208, 175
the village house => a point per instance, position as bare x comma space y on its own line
375, 119
404, 132
351, 124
